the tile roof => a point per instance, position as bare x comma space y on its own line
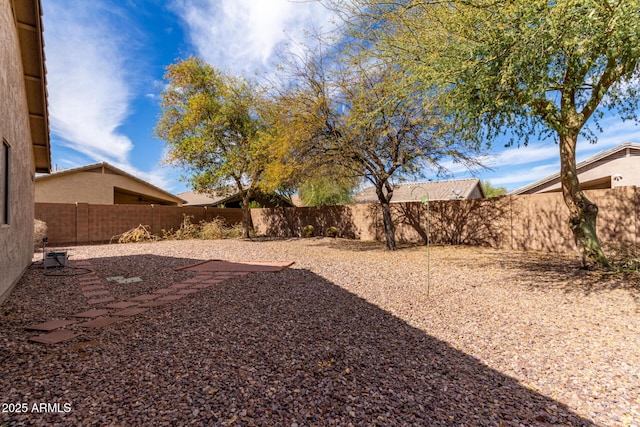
194, 198
201, 199
415, 191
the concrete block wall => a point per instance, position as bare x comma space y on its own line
536, 222
529, 222
80, 223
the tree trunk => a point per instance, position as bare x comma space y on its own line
389, 229
246, 215
582, 212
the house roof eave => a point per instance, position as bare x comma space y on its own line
28, 16
112, 168
596, 157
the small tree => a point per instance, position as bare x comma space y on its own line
491, 191
213, 127
326, 190
364, 115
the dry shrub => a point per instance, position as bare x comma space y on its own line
235, 232
141, 233
212, 230
187, 230
39, 233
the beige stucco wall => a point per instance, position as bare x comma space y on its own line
89, 187
526, 222
628, 169
16, 247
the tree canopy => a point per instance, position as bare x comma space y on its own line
213, 127
362, 114
490, 191
529, 68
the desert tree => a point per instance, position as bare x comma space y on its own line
362, 114
532, 69
491, 191
213, 127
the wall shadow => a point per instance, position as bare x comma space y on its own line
289, 222
455, 222
268, 348
543, 228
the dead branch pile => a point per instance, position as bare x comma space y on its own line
141, 233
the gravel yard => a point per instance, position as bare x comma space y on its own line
349, 335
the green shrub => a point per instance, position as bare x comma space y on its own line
331, 232
308, 231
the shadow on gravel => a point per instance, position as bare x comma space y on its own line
361, 245
268, 349
563, 272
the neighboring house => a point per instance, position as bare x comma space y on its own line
100, 184
617, 167
233, 200
454, 189
24, 133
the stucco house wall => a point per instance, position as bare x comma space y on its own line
617, 167
17, 137
99, 184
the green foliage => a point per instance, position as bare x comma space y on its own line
360, 113
331, 232
308, 231
491, 191
528, 68
213, 126
326, 191
513, 66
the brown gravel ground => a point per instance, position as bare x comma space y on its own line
350, 335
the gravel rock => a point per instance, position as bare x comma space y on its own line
350, 335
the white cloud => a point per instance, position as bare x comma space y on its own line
526, 176
524, 155
88, 90
242, 36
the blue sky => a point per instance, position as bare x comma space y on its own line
106, 58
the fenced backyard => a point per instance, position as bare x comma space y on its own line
532, 222
349, 335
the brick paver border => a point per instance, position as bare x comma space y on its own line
113, 311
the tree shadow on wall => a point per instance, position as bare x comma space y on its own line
541, 222
541, 225
289, 222
454, 222
284, 347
